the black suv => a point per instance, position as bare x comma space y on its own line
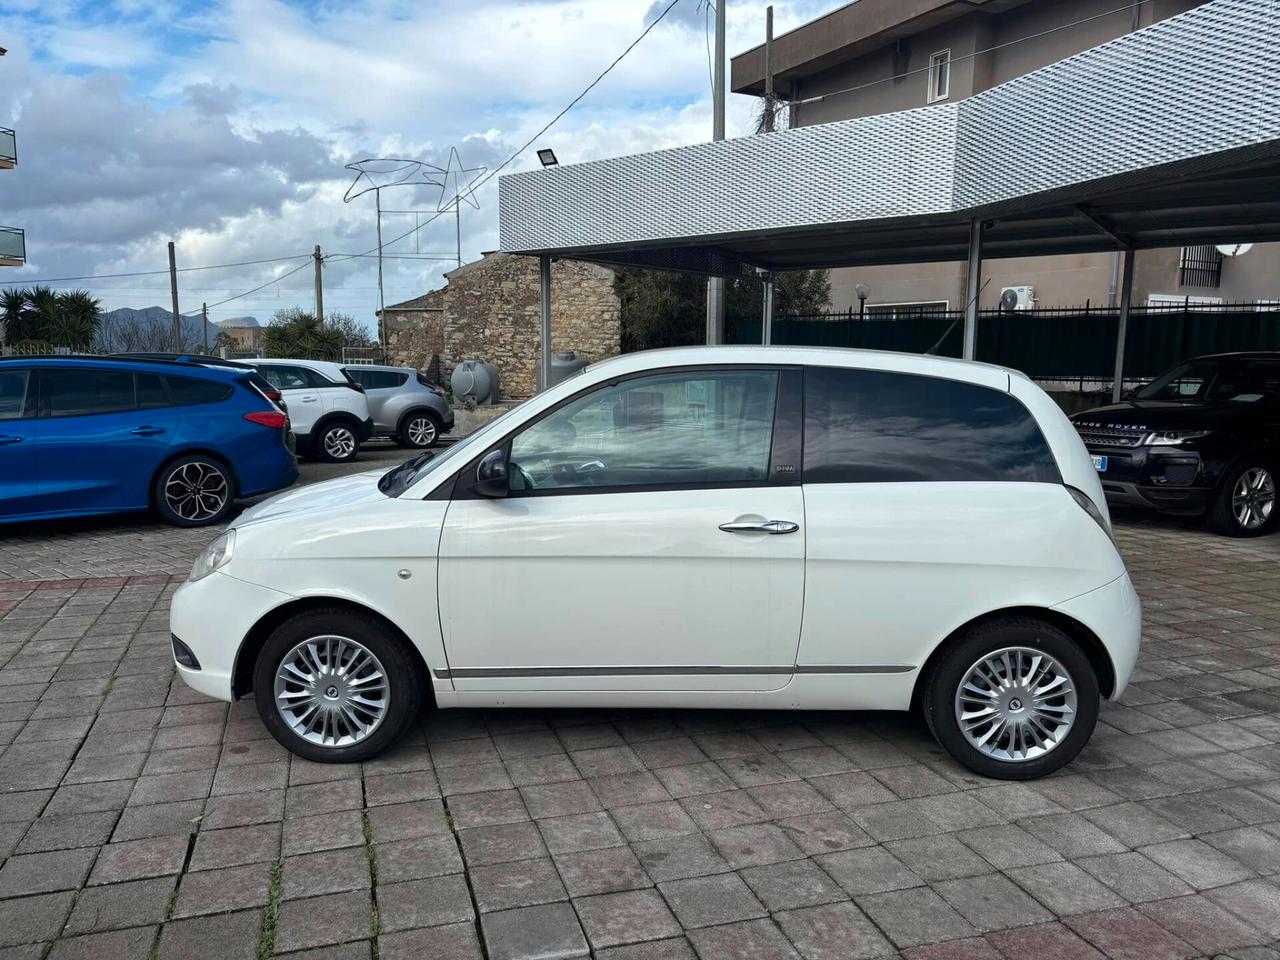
1202, 438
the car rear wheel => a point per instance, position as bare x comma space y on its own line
1245, 505
1014, 699
337, 442
419, 430
336, 686
194, 491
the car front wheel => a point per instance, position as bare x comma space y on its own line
1245, 505
336, 686
1014, 699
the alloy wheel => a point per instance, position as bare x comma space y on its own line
1016, 704
196, 491
331, 691
339, 443
421, 431
1253, 498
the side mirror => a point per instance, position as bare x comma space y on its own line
491, 475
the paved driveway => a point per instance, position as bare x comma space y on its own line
138, 819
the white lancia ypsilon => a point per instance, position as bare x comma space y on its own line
787, 528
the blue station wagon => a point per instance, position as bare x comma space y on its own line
82, 436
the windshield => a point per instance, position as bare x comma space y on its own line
1232, 378
399, 479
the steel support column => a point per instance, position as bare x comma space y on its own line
972, 290
544, 272
1122, 327
766, 325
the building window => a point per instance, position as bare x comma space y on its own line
1200, 266
905, 311
940, 76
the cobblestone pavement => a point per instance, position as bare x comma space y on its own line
138, 819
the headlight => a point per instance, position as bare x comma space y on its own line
215, 556
1171, 438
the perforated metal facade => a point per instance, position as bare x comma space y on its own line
1181, 96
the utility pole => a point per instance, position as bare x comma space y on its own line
715, 285
768, 69
319, 286
204, 343
173, 288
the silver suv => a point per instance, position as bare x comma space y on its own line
404, 404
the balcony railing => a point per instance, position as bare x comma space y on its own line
13, 247
8, 149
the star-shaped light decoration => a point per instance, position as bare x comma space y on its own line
379, 172
453, 191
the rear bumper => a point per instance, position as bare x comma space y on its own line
366, 429
1114, 614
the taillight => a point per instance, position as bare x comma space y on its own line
268, 418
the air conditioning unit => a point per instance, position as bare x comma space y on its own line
1018, 298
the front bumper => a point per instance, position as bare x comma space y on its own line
1114, 614
212, 617
1170, 479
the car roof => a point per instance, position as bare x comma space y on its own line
328, 366
1239, 354
385, 367
169, 367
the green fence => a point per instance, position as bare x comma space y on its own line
1058, 344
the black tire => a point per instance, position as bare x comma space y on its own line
337, 441
424, 425
404, 679
172, 491
942, 684
1221, 516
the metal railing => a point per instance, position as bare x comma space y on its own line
1064, 343
8, 149
13, 246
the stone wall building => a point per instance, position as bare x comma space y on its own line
415, 332
489, 310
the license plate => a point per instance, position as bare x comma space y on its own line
1099, 463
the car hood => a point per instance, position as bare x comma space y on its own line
343, 491
1166, 414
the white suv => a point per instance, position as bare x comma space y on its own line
328, 410
714, 527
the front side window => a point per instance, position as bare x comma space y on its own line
940, 76
13, 393
287, 378
80, 392
868, 426
1238, 379
681, 429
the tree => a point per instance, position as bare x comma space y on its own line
68, 318
294, 332
354, 334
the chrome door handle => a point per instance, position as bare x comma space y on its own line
760, 526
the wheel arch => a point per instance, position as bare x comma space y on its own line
191, 452
419, 408
1088, 641
256, 638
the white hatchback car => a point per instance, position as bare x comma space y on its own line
705, 527
328, 410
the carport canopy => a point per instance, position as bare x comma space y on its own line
1166, 137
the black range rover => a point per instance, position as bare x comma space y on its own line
1202, 438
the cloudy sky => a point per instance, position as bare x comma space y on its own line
225, 126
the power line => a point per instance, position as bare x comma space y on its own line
550, 123
1127, 8
150, 273
301, 266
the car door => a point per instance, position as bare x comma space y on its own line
18, 393
297, 388
97, 448
653, 539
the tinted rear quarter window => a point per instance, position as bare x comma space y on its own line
78, 391
184, 392
870, 426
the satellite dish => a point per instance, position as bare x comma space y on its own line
1009, 299
1234, 249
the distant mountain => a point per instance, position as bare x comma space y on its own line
151, 328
